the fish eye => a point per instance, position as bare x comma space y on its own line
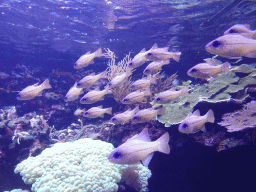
158, 99
109, 84
132, 86
232, 31
216, 44
117, 155
86, 113
149, 54
18, 95
193, 70
78, 84
146, 71
130, 64
75, 64
185, 126
125, 100
113, 119
135, 118
83, 99
65, 98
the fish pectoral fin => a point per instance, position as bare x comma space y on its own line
147, 160
251, 54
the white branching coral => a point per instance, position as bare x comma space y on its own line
80, 166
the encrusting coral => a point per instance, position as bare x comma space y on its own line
222, 88
242, 119
80, 166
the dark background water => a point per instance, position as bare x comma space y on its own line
54, 34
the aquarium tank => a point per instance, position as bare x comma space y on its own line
127, 95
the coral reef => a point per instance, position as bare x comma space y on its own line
242, 119
80, 166
225, 87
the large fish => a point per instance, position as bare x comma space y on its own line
242, 29
194, 122
232, 47
73, 93
207, 70
87, 59
89, 80
32, 91
139, 148
146, 115
95, 95
95, 112
170, 95
124, 117
140, 58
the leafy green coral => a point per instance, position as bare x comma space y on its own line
215, 90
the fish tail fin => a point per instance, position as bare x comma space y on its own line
165, 62
147, 91
184, 91
225, 67
210, 116
98, 53
109, 110
46, 84
176, 56
104, 74
163, 143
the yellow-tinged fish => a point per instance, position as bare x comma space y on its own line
139, 148
95, 95
170, 95
140, 58
87, 59
155, 66
232, 47
32, 91
89, 80
79, 111
136, 96
194, 122
97, 112
142, 83
162, 54
73, 93
119, 79
242, 29
124, 117
146, 115
208, 70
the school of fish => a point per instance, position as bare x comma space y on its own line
237, 42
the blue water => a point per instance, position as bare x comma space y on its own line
47, 35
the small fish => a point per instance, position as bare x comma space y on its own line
136, 96
139, 148
155, 66
146, 115
208, 70
124, 117
242, 29
194, 122
89, 80
87, 59
95, 95
162, 54
73, 93
232, 47
142, 83
95, 112
32, 91
170, 95
79, 111
140, 58
119, 79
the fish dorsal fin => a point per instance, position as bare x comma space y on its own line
147, 160
247, 26
133, 138
97, 89
89, 52
144, 136
75, 84
196, 113
172, 89
143, 50
101, 106
211, 62
92, 74
35, 84
153, 47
